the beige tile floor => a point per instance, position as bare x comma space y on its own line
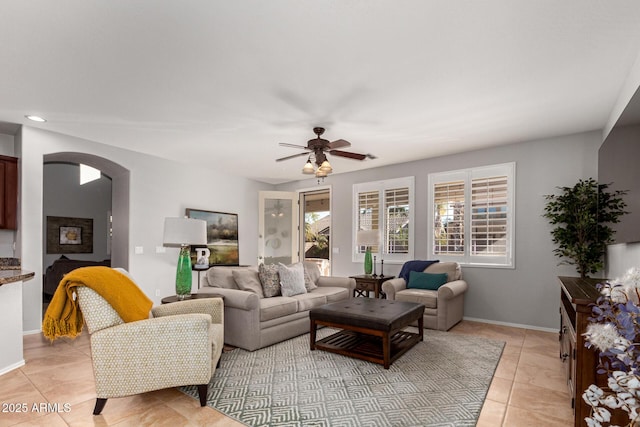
528, 388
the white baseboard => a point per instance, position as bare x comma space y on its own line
35, 331
12, 367
513, 325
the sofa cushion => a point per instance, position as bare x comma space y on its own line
311, 275
332, 293
272, 308
269, 279
222, 277
427, 297
451, 268
431, 281
307, 301
248, 280
291, 279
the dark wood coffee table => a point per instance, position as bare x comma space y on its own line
371, 329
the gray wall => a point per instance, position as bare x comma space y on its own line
159, 188
64, 196
526, 295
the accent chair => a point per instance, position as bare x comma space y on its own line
180, 345
444, 306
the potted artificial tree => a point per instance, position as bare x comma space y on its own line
581, 215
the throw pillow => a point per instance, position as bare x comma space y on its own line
291, 279
309, 284
248, 280
430, 281
269, 279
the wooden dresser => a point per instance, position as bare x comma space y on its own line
580, 363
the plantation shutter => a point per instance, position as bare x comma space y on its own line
489, 204
396, 202
368, 214
448, 224
473, 219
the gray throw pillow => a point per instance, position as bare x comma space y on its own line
291, 279
248, 280
269, 279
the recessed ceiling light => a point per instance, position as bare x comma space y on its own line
35, 118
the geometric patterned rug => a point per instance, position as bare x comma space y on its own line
441, 381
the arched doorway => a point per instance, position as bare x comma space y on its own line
119, 199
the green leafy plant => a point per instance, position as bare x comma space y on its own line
582, 215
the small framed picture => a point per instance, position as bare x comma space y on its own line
70, 235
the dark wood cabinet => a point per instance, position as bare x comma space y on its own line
580, 363
8, 192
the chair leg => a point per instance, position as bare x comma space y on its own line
99, 406
202, 393
218, 364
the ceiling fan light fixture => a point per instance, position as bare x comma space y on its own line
320, 173
308, 168
326, 167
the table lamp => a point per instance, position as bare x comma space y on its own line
368, 238
183, 232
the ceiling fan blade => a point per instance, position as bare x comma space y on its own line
339, 143
291, 157
347, 154
284, 144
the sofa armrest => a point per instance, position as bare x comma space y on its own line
452, 289
236, 298
341, 282
390, 287
211, 306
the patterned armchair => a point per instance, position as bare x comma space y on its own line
180, 345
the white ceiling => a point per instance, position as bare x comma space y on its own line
221, 83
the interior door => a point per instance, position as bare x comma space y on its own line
278, 227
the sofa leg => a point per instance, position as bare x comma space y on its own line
99, 406
202, 393
218, 364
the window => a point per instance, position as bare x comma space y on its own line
386, 206
472, 215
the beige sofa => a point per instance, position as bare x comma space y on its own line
444, 307
252, 322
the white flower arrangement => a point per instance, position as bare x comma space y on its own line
613, 331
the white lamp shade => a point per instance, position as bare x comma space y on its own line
325, 166
184, 231
308, 168
368, 237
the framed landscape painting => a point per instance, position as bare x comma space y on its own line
222, 236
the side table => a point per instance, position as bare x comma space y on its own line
367, 283
174, 298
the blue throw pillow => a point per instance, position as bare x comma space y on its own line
430, 281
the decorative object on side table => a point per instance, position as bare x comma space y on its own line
368, 238
183, 232
614, 332
581, 215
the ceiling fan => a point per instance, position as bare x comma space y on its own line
316, 149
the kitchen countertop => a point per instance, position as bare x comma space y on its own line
10, 276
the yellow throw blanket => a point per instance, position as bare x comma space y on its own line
63, 316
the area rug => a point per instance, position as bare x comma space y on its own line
442, 381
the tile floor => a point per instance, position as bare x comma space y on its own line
528, 388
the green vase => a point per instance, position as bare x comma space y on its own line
368, 262
183, 273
